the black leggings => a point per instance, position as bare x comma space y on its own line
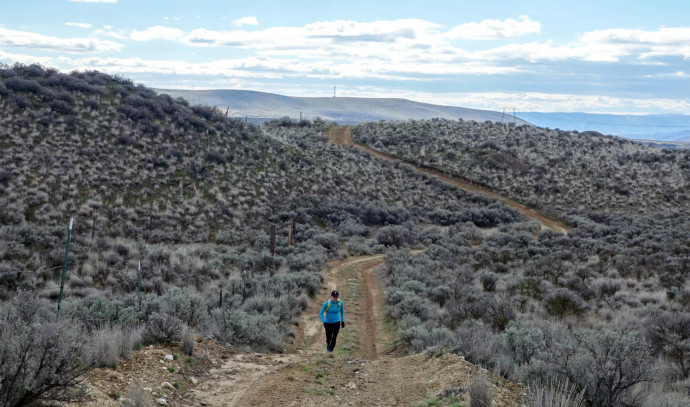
332, 330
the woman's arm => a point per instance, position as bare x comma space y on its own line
323, 309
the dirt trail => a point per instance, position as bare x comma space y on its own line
342, 135
253, 379
364, 370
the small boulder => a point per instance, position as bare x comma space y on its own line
167, 386
162, 402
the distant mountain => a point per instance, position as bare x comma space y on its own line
260, 106
662, 127
343, 110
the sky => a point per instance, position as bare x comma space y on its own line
605, 56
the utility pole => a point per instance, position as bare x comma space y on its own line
509, 109
64, 267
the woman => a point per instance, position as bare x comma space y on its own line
333, 320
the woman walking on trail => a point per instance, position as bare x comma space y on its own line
333, 320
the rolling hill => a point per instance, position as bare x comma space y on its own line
343, 110
258, 107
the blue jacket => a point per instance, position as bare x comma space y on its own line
336, 313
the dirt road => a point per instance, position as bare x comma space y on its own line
364, 370
341, 135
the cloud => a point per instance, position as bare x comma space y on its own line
80, 25
495, 29
246, 21
536, 101
108, 32
314, 35
666, 41
12, 38
157, 33
93, 1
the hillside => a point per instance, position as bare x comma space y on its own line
343, 110
557, 170
459, 278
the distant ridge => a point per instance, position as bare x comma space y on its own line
343, 110
661, 127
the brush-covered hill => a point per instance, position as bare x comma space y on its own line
553, 169
193, 196
343, 110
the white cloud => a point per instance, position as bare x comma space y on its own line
80, 25
12, 38
157, 33
246, 21
93, 1
108, 32
666, 41
495, 29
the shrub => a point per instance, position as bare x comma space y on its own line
559, 394
394, 235
188, 341
112, 343
406, 303
420, 337
186, 306
23, 85
499, 313
562, 302
480, 393
522, 341
258, 331
488, 281
669, 334
607, 364
40, 358
609, 288
162, 328
476, 342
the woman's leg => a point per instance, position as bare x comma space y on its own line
334, 333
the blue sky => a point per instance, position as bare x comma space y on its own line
588, 56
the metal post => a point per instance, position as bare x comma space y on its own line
220, 302
139, 283
64, 267
273, 240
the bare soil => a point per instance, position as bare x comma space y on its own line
342, 135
